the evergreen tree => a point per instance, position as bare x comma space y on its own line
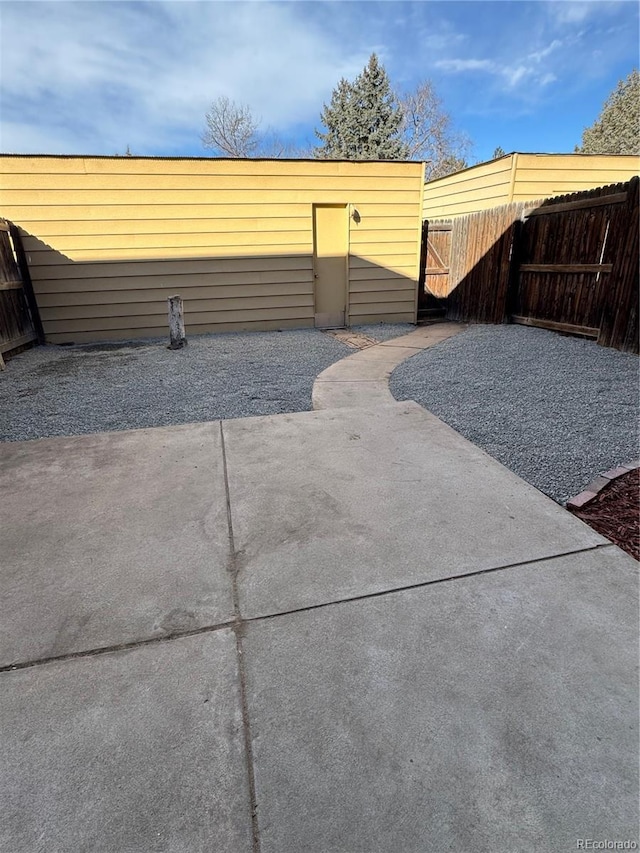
499, 152
339, 141
617, 128
363, 120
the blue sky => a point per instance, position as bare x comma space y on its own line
93, 77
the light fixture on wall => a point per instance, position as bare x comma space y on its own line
355, 214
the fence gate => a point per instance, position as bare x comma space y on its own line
433, 284
569, 253
19, 318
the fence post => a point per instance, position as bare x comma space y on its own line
177, 336
27, 284
619, 320
511, 299
422, 276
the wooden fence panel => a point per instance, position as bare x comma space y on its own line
567, 249
438, 253
569, 264
480, 266
18, 309
619, 323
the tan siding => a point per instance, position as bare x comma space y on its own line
103, 265
578, 162
399, 316
196, 306
371, 273
403, 246
379, 285
199, 183
108, 239
548, 175
486, 184
203, 166
92, 244
479, 195
380, 296
194, 328
205, 290
111, 227
212, 211
535, 176
239, 199
149, 320
396, 261
166, 283
483, 171
261, 266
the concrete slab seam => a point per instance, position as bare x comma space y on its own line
463, 576
240, 622
120, 647
237, 630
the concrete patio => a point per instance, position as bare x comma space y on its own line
334, 631
347, 630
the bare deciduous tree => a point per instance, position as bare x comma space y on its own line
428, 132
231, 129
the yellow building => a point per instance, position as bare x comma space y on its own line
248, 244
523, 177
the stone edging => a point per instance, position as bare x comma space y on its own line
585, 498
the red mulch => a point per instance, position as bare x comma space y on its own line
615, 512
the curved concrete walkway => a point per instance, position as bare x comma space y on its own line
362, 379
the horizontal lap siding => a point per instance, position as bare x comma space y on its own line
399, 317
549, 175
108, 239
522, 177
477, 188
201, 166
222, 324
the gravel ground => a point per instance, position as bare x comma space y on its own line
556, 410
52, 390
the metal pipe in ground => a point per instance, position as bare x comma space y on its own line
177, 335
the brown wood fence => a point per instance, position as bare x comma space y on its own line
19, 317
569, 263
437, 243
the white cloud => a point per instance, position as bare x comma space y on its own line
98, 76
458, 65
565, 12
513, 75
539, 55
510, 75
